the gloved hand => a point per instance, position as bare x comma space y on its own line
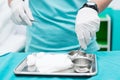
86, 25
21, 13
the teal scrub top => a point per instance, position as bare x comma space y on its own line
54, 26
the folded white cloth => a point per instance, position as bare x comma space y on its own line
31, 59
52, 63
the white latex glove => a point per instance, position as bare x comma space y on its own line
21, 13
86, 25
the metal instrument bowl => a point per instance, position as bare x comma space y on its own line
81, 60
82, 64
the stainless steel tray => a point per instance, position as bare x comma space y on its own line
22, 69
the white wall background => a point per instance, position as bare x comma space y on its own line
115, 4
12, 36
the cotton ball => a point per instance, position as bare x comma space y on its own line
31, 60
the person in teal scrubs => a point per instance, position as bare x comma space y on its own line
59, 25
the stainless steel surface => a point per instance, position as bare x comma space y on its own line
23, 69
76, 53
81, 60
82, 64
